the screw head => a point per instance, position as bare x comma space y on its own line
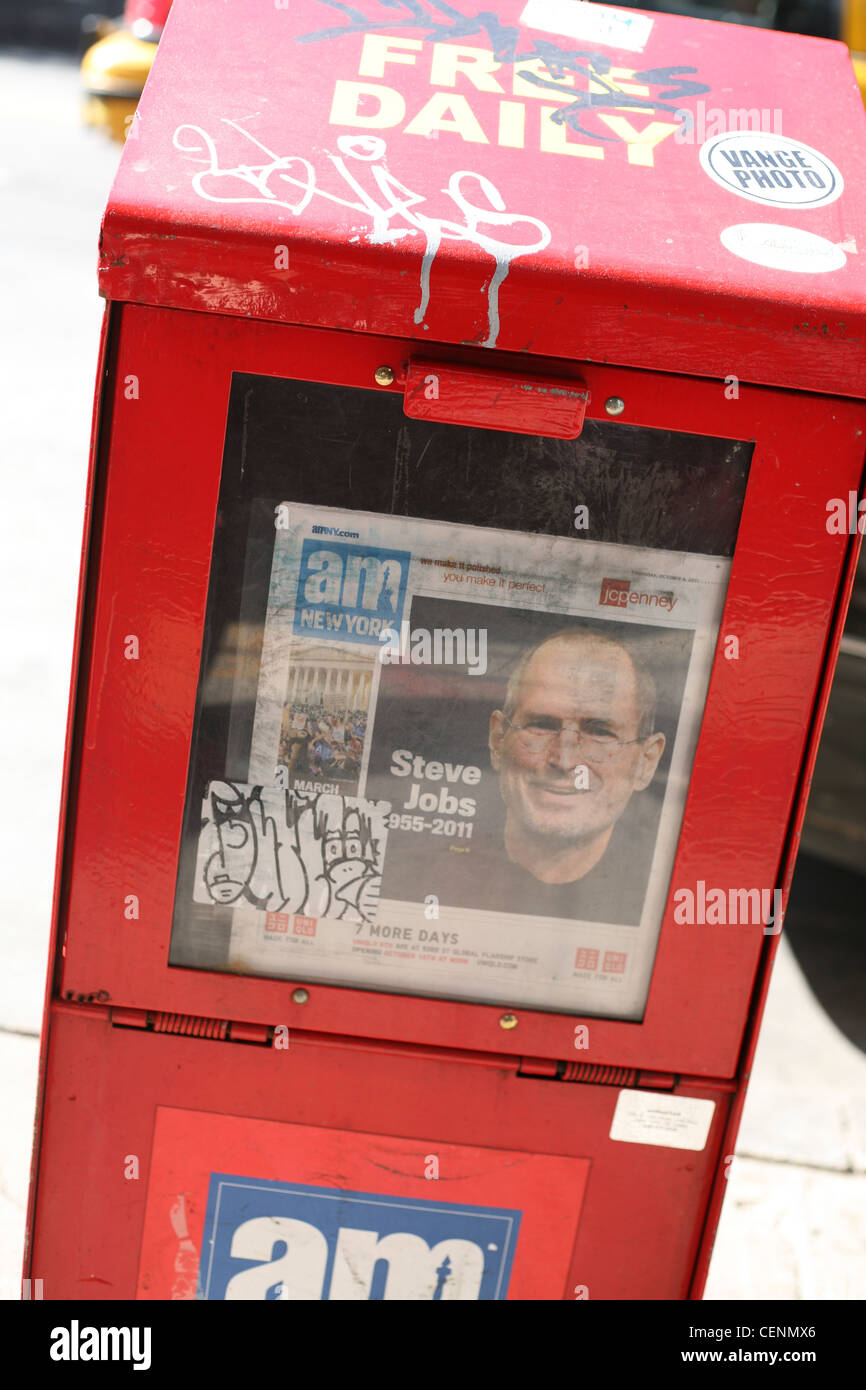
508, 1021
300, 996
384, 376
614, 405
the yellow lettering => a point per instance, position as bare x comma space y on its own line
475, 63
433, 116
380, 49
635, 89
554, 138
348, 97
641, 143
512, 124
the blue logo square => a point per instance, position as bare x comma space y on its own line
349, 592
274, 1240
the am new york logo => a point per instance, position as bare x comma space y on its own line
290, 1241
349, 592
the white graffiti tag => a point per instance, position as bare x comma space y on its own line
391, 203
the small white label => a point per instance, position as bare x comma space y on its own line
783, 248
578, 19
672, 1122
771, 169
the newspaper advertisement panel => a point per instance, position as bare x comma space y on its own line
469, 761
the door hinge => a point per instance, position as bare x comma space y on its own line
595, 1074
128, 1018
656, 1080
589, 1072
251, 1033
538, 1066
192, 1026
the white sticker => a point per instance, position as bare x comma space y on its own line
598, 23
672, 1122
771, 169
783, 248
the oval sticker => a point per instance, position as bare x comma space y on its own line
771, 169
783, 248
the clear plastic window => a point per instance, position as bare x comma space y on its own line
451, 691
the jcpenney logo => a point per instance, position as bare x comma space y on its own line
618, 593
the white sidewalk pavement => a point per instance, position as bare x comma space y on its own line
794, 1221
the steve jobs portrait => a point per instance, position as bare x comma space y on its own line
574, 746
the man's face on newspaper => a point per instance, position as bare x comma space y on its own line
574, 784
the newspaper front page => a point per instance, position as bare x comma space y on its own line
469, 761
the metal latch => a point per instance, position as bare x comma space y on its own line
519, 403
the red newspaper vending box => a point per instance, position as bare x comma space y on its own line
473, 508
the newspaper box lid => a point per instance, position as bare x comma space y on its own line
548, 177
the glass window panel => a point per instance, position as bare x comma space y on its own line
451, 689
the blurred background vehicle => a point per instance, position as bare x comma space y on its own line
823, 19
115, 68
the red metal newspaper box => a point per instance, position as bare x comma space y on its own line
473, 508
